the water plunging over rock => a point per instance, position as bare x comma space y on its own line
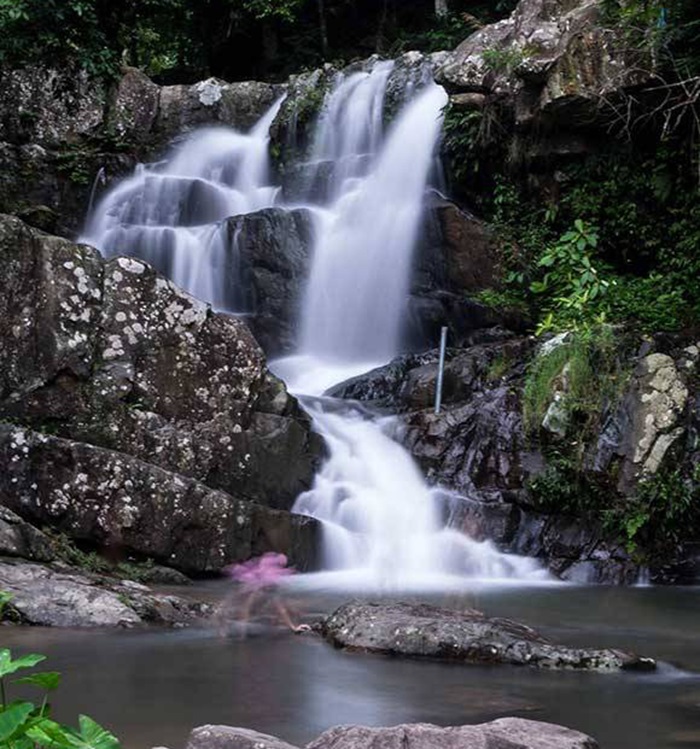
365, 183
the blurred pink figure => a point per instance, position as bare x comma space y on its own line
261, 575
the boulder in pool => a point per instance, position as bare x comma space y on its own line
505, 733
423, 631
508, 733
228, 737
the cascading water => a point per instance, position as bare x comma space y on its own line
383, 525
169, 213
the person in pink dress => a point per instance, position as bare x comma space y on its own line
259, 579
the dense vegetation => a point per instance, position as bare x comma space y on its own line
615, 235
186, 40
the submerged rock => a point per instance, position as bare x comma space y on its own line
423, 631
69, 598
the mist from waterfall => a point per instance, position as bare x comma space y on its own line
383, 526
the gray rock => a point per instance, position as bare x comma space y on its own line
272, 250
20, 539
651, 424
89, 350
53, 598
505, 733
556, 58
115, 500
238, 105
227, 737
422, 631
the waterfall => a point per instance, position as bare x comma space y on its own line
170, 213
383, 526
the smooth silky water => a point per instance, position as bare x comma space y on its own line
383, 526
152, 687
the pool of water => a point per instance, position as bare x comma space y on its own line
151, 687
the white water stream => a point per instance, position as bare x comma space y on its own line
383, 525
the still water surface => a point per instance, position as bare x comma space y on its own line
151, 687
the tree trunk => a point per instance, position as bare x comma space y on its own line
381, 25
323, 29
441, 9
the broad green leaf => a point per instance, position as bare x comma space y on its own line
14, 717
8, 666
48, 680
94, 736
51, 735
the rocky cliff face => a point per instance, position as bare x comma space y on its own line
137, 417
479, 447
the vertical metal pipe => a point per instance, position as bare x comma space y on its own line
441, 369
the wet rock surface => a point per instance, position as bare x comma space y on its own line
477, 448
65, 597
272, 248
513, 733
423, 631
510, 733
228, 737
110, 367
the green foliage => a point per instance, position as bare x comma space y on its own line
585, 369
664, 511
24, 725
92, 562
462, 140
571, 283
564, 489
498, 368
503, 60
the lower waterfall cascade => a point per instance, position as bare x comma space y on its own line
384, 527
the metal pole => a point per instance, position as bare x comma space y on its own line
441, 369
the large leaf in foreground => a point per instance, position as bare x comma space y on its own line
8, 666
13, 717
48, 680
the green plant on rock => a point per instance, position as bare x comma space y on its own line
26, 725
92, 562
664, 510
564, 489
503, 60
585, 369
571, 283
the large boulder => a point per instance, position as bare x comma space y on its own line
651, 420
228, 737
18, 538
554, 59
423, 631
113, 500
111, 355
508, 733
271, 250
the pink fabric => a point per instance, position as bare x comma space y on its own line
261, 572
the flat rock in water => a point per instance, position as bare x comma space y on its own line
53, 598
505, 733
419, 630
228, 737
